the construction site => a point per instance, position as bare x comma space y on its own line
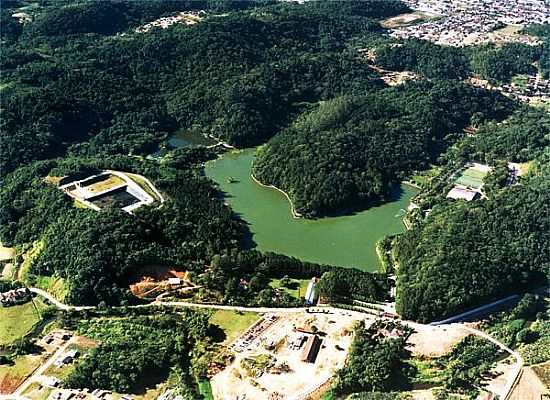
287, 356
157, 283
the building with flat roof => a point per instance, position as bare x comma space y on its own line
310, 352
458, 193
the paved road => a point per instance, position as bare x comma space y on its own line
67, 307
509, 386
56, 302
517, 366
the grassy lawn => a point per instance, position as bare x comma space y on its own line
206, 390
520, 81
17, 321
423, 179
109, 182
296, 289
232, 323
37, 392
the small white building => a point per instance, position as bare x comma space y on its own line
311, 292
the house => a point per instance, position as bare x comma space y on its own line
14, 297
67, 358
51, 381
310, 352
174, 281
102, 394
62, 395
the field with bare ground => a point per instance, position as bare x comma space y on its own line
13, 375
152, 281
435, 341
405, 20
270, 365
529, 386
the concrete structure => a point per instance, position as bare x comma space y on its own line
127, 191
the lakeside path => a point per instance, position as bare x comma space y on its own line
293, 211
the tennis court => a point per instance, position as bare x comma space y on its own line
472, 177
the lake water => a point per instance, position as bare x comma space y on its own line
345, 241
186, 138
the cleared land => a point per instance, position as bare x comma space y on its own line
233, 323
406, 19
6, 253
12, 376
17, 321
435, 341
271, 364
529, 387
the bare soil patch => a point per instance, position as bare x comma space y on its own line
435, 341
529, 386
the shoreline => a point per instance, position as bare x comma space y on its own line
294, 213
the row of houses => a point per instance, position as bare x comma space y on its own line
469, 22
14, 297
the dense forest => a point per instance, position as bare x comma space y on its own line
71, 84
82, 90
133, 354
467, 253
377, 359
348, 151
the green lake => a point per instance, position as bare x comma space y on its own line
345, 240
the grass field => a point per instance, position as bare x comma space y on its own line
37, 392
296, 289
232, 323
53, 285
206, 390
17, 321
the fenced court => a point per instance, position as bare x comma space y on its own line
472, 177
